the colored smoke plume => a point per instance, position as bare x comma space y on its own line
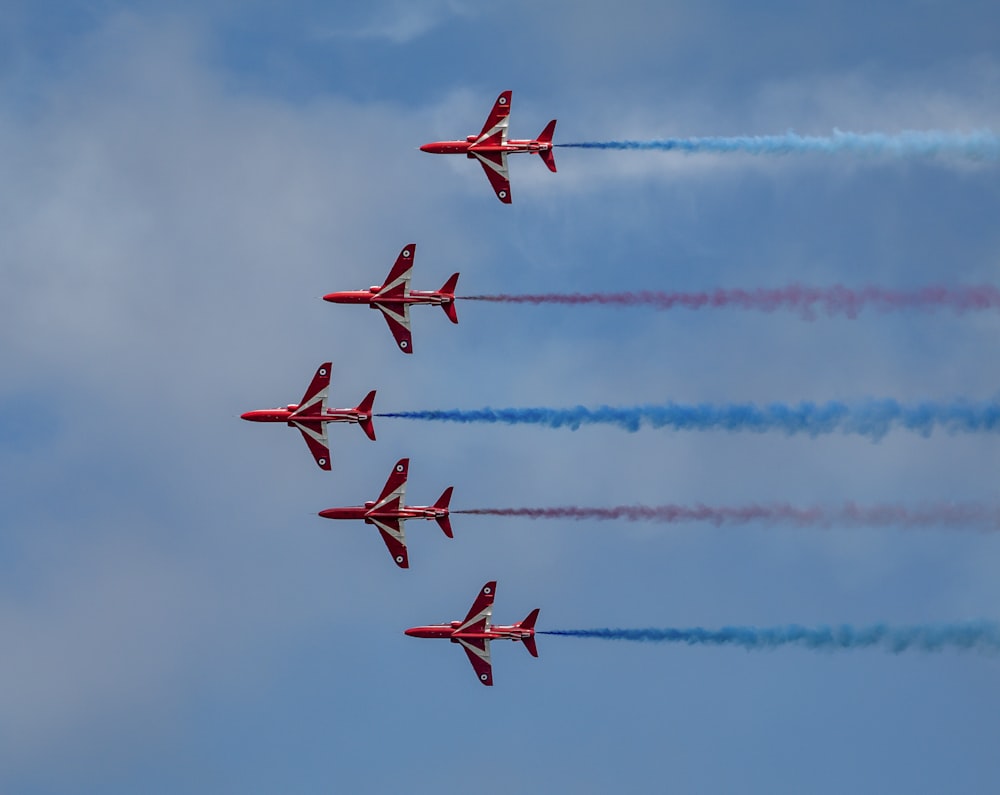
807, 301
871, 418
849, 514
981, 636
980, 145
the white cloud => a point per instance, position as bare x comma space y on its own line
402, 22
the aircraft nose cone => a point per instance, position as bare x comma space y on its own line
424, 148
246, 415
411, 632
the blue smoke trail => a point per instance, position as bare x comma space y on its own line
980, 145
872, 418
982, 636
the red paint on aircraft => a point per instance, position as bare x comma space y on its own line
388, 513
475, 632
310, 415
491, 147
394, 298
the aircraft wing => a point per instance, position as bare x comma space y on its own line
398, 281
316, 393
394, 491
495, 166
495, 129
315, 435
392, 534
397, 315
478, 619
478, 651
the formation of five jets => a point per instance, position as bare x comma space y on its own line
393, 299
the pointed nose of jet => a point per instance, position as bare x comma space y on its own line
443, 147
250, 415
412, 632
345, 298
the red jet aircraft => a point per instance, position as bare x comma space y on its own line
475, 633
394, 298
388, 513
311, 415
491, 147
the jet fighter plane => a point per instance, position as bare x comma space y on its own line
311, 415
394, 298
475, 633
388, 513
491, 147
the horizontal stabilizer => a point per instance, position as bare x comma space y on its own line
545, 136
443, 502
529, 623
445, 498
445, 521
365, 407
448, 290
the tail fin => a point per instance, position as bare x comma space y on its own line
529, 641
448, 288
545, 137
365, 407
445, 521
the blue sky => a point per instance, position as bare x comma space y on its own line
182, 181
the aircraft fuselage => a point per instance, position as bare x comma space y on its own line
370, 297
285, 415
453, 633
468, 146
366, 514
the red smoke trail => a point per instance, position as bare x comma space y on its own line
849, 514
836, 300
